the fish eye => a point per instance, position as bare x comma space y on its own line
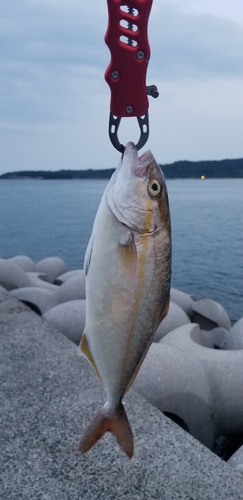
154, 187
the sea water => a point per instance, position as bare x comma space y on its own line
42, 218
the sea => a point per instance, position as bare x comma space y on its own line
44, 218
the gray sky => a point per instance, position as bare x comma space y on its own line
54, 101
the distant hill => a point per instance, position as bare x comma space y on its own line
210, 169
178, 170
59, 174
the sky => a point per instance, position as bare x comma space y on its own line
55, 103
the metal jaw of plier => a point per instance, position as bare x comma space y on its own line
127, 40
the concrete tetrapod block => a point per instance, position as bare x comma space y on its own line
49, 395
175, 317
209, 314
68, 318
66, 276
235, 338
183, 300
52, 267
176, 383
12, 275
236, 460
215, 338
39, 299
35, 274
224, 371
72, 289
39, 280
25, 262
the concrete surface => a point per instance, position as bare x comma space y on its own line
48, 397
236, 460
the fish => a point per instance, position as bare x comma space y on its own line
128, 274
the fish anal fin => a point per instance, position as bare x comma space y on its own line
85, 349
127, 252
117, 424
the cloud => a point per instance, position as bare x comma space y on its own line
51, 59
54, 102
53, 32
53, 56
196, 45
197, 120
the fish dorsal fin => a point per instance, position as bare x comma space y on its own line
88, 254
85, 349
127, 252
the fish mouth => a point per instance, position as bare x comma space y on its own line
139, 164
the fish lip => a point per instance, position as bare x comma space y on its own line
139, 164
143, 164
147, 154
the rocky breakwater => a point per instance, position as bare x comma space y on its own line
193, 371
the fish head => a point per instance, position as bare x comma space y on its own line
137, 193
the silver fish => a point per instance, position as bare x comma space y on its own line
128, 272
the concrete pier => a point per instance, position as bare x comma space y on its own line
49, 395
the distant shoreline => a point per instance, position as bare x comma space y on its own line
218, 169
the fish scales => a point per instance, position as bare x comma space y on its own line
128, 270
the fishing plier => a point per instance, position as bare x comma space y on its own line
127, 40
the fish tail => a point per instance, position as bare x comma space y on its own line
117, 424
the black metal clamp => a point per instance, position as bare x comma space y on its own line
143, 122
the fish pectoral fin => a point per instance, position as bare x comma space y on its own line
117, 424
127, 252
88, 254
85, 349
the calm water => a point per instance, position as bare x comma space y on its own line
54, 218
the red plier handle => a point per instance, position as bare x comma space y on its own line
127, 40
